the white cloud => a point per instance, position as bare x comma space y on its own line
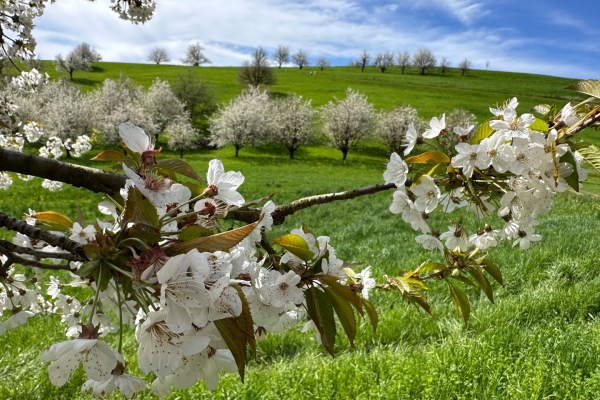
337, 29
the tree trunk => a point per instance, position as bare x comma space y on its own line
71, 74
463, 73
181, 153
422, 71
237, 150
291, 153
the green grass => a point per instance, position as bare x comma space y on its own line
540, 340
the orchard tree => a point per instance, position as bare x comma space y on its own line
87, 53
322, 63
300, 59
257, 71
181, 135
403, 60
363, 60
281, 55
347, 122
162, 105
71, 63
394, 128
195, 94
158, 55
242, 122
291, 122
423, 60
383, 61
195, 56
444, 65
465, 65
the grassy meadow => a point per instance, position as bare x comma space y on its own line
541, 339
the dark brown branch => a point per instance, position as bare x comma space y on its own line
594, 116
17, 259
7, 246
33, 232
89, 178
284, 210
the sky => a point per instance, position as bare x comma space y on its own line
549, 37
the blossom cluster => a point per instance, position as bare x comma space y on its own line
516, 169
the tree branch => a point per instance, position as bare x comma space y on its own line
284, 210
85, 177
6, 246
18, 259
33, 232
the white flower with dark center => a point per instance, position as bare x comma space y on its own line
485, 238
412, 138
436, 127
127, 384
368, 283
452, 200
183, 291
527, 157
282, 288
396, 171
159, 190
470, 157
514, 128
403, 204
427, 193
223, 185
463, 131
456, 237
159, 348
525, 237
82, 235
97, 357
500, 153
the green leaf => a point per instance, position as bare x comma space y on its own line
196, 190
372, 313
484, 284
92, 251
430, 157
296, 245
111, 155
54, 217
343, 291
149, 234
87, 268
493, 270
193, 232
539, 125
320, 311
590, 153
483, 132
345, 314
436, 170
573, 179
139, 209
222, 241
463, 279
543, 109
590, 87
461, 302
431, 267
236, 340
179, 166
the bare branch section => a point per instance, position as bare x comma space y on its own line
89, 178
13, 248
33, 232
284, 210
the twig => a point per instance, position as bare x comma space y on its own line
13, 248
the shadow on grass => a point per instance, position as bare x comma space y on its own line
84, 81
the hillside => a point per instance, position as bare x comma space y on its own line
431, 94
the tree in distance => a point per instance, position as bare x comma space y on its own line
423, 59
194, 56
196, 94
300, 59
282, 55
158, 55
80, 59
257, 71
383, 61
322, 63
346, 122
444, 65
363, 60
403, 60
291, 122
465, 65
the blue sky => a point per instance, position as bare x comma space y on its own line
535, 36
